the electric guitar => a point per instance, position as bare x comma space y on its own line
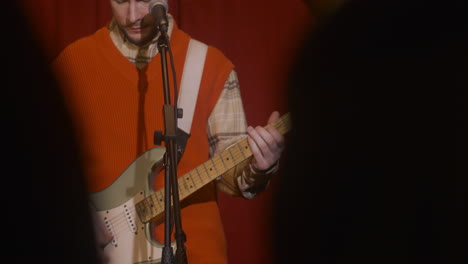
129, 204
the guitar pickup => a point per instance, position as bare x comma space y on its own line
129, 216
110, 229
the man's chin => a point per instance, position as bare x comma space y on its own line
132, 38
138, 40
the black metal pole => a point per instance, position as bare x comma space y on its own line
170, 114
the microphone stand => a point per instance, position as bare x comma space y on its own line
170, 114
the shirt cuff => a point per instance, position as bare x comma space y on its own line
251, 182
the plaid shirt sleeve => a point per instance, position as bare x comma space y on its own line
227, 125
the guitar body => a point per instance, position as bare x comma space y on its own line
115, 205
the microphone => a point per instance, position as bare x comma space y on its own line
158, 9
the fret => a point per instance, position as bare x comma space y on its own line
209, 171
192, 184
149, 207
181, 182
219, 164
158, 205
283, 124
156, 201
199, 176
182, 189
232, 155
191, 181
152, 202
244, 149
160, 196
220, 158
203, 173
155, 205
215, 167
226, 159
142, 208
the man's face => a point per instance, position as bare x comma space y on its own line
134, 20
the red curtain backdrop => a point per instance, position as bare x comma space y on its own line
261, 38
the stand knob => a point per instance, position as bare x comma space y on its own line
158, 137
180, 113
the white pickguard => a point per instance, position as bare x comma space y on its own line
115, 206
132, 241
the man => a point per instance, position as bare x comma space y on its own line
113, 86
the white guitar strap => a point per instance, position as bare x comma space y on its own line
190, 83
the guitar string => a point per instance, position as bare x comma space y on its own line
280, 124
191, 182
237, 156
119, 220
119, 223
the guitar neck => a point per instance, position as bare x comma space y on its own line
153, 206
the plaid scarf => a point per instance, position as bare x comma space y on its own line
138, 55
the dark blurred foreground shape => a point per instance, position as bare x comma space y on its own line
47, 215
375, 168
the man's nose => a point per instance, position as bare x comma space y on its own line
134, 13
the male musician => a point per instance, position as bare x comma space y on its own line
113, 85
